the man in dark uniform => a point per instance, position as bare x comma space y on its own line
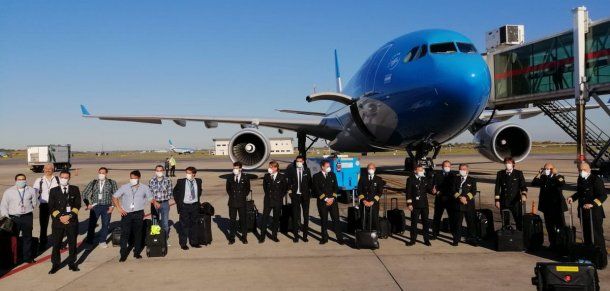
590, 194
187, 195
300, 193
238, 188
511, 191
551, 201
370, 188
464, 189
275, 185
418, 188
442, 183
64, 203
325, 189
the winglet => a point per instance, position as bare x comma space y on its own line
337, 74
84, 110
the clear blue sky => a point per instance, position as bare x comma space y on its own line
211, 57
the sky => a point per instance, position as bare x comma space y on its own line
222, 58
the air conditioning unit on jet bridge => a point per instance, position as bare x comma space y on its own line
503, 36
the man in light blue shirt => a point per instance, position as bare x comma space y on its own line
18, 203
130, 200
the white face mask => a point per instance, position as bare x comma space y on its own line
236, 171
420, 174
463, 173
327, 170
446, 169
101, 176
270, 171
134, 182
371, 172
547, 172
584, 174
63, 181
21, 184
299, 164
159, 174
189, 176
509, 167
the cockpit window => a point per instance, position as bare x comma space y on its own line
443, 48
466, 47
411, 55
423, 51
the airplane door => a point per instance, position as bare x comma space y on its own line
369, 84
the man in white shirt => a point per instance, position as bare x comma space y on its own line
42, 186
18, 203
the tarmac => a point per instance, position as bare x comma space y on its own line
286, 265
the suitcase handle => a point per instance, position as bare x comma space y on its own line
370, 218
392, 202
478, 193
385, 202
249, 195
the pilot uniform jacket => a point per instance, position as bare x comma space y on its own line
180, 188
325, 187
370, 190
467, 189
238, 191
58, 203
444, 186
417, 191
590, 191
275, 190
305, 181
551, 193
510, 187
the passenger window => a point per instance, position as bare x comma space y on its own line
466, 47
443, 48
411, 55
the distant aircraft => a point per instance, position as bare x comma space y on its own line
3, 155
416, 92
180, 150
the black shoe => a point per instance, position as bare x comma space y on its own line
409, 243
324, 241
455, 244
244, 241
74, 268
473, 242
340, 241
184, 247
434, 236
54, 270
137, 256
197, 246
275, 239
123, 259
305, 239
261, 240
231, 241
295, 240
427, 243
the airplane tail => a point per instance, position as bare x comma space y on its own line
171, 145
337, 74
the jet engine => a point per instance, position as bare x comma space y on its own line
250, 147
499, 140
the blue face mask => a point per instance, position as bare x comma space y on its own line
21, 184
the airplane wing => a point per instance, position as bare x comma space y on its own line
316, 126
525, 113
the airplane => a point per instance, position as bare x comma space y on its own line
416, 92
180, 151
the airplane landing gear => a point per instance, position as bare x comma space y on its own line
418, 156
302, 143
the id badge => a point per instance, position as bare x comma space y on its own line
417, 198
22, 209
133, 206
68, 208
99, 196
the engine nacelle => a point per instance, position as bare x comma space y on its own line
499, 140
250, 147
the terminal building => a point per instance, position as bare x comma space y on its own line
279, 146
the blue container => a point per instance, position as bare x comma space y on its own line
347, 171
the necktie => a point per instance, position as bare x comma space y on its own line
192, 190
299, 182
65, 190
236, 179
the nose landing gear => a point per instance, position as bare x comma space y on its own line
418, 156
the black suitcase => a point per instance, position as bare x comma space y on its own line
445, 225
367, 238
397, 218
484, 221
533, 235
385, 228
6, 250
565, 276
251, 214
116, 236
508, 239
204, 229
156, 240
286, 216
565, 236
353, 215
582, 252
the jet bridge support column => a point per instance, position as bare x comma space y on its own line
581, 25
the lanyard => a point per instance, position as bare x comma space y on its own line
133, 196
21, 196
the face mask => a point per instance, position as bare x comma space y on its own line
327, 170
547, 172
101, 176
189, 176
270, 171
159, 174
134, 182
420, 174
21, 184
509, 166
299, 164
446, 169
584, 174
371, 172
236, 171
463, 173
63, 181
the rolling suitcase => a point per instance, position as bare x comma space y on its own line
385, 229
565, 276
353, 215
508, 239
6, 250
116, 236
366, 238
582, 252
156, 240
533, 235
286, 216
251, 214
484, 221
565, 236
204, 229
397, 218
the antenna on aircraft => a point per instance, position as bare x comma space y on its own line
315, 88
337, 74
